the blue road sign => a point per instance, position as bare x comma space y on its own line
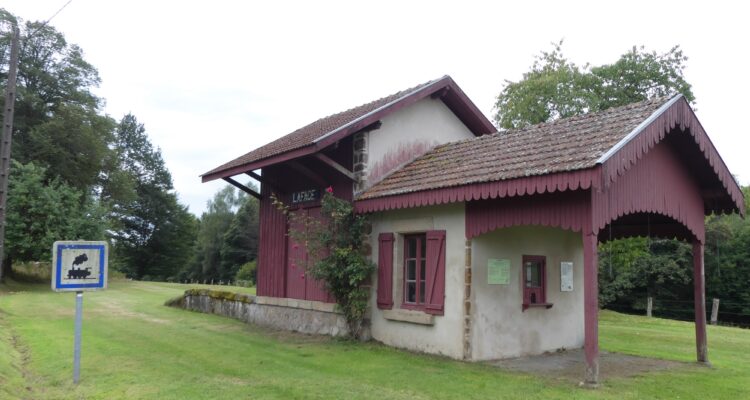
79, 266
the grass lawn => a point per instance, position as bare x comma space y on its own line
134, 347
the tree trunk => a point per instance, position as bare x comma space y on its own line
7, 271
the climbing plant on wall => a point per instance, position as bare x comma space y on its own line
335, 245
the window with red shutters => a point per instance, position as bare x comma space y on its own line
385, 271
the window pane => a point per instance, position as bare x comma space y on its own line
533, 274
423, 246
423, 270
421, 291
411, 270
411, 292
411, 247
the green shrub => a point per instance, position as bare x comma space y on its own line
247, 272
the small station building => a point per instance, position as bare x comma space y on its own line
486, 242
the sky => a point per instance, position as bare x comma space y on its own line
212, 80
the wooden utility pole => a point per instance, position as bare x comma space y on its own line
5, 141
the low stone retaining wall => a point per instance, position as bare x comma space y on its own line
303, 316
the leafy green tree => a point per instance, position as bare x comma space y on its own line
727, 269
57, 123
214, 224
152, 233
558, 88
633, 269
39, 213
240, 242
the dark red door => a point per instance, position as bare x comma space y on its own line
314, 290
295, 266
299, 284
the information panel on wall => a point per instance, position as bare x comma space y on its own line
566, 276
498, 271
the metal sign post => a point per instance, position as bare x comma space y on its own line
77, 339
79, 266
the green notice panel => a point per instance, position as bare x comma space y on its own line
498, 271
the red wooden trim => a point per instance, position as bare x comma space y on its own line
565, 210
657, 184
558, 182
699, 295
385, 271
435, 282
252, 166
679, 115
333, 164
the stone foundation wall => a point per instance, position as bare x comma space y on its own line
312, 317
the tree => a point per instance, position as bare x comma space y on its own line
557, 88
631, 269
214, 224
57, 123
240, 242
40, 213
152, 233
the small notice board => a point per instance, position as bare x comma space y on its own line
498, 271
566, 276
79, 266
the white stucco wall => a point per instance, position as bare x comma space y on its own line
500, 329
445, 335
409, 133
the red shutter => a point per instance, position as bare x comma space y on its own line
435, 296
385, 271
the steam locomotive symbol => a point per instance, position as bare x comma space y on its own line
79, 273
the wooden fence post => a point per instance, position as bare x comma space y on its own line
715, 312
649, 306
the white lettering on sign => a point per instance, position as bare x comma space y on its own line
305, 196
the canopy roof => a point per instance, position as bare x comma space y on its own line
566, 146
328, 130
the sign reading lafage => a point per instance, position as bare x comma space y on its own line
305, 196
79, 266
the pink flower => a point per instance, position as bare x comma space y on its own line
329, 189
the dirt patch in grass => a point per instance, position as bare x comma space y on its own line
110, 307
568, 366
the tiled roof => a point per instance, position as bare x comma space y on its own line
308, 134
564, 145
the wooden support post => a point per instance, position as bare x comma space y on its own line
338, 167
591, 309
699, 296
649, 306
243, 188
715, 312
